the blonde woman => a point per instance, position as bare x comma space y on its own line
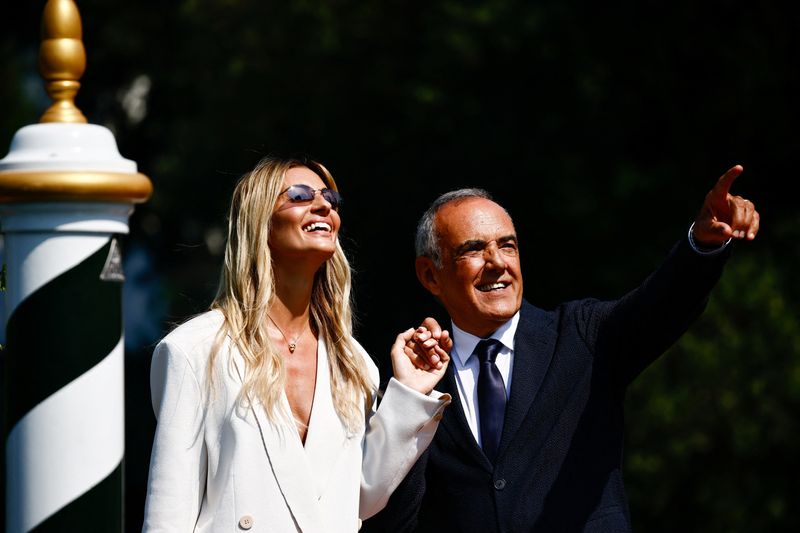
266, 403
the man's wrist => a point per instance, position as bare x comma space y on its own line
704, 250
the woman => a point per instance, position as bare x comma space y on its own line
265, 403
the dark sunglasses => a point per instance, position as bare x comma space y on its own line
304, 193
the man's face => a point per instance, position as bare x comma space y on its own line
480, 281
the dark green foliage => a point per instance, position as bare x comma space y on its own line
713, 426
599, 125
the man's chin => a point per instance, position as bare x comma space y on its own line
500, 308
498, 315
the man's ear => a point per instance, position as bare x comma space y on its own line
428, 275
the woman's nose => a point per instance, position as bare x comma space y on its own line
320, 202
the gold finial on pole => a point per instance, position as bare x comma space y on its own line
66, 159
62, 60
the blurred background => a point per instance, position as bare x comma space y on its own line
599, 125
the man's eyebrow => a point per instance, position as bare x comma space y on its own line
479, 244
473, 244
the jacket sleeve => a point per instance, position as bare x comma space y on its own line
401, 514
177, 476
396, 435
630, 333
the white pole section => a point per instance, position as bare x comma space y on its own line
65, 197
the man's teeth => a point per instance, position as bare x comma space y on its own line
491, 286
317, 225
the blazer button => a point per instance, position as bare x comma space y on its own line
246, 522
500, 484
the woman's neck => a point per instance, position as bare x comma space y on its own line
292, 297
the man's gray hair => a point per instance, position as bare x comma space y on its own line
427, 240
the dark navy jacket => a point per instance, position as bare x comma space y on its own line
559, 467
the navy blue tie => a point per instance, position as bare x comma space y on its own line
491, 397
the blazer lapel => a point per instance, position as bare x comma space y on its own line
326, 439
289, 464
534, 344
454, 422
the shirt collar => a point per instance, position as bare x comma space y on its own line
465, 343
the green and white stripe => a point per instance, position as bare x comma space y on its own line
64, 367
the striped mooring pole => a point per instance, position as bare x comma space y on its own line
65, 197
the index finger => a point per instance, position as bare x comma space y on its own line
725, 181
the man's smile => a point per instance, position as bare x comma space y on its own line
492, 286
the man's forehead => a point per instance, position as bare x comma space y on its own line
474, 219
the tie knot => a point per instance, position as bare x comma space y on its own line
487, 350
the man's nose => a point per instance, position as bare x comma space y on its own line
494, 258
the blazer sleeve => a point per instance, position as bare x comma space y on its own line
177, 476
630, 333
397, 433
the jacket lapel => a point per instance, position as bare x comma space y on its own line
289, 464
326, 439
534, 344
454, 422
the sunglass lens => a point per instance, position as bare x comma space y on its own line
304, 193
300, 193
332, 197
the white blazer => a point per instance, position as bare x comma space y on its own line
219, 467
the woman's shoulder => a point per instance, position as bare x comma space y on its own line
196, 335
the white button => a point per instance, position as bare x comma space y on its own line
246, 522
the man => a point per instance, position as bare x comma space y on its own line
533, 441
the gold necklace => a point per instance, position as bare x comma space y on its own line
292, 344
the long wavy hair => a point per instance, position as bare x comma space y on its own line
247, 290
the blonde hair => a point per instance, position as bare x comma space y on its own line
247, 289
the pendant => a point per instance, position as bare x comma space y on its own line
292, 346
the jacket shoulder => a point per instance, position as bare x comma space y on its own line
531, 316
195, 336
578, 316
